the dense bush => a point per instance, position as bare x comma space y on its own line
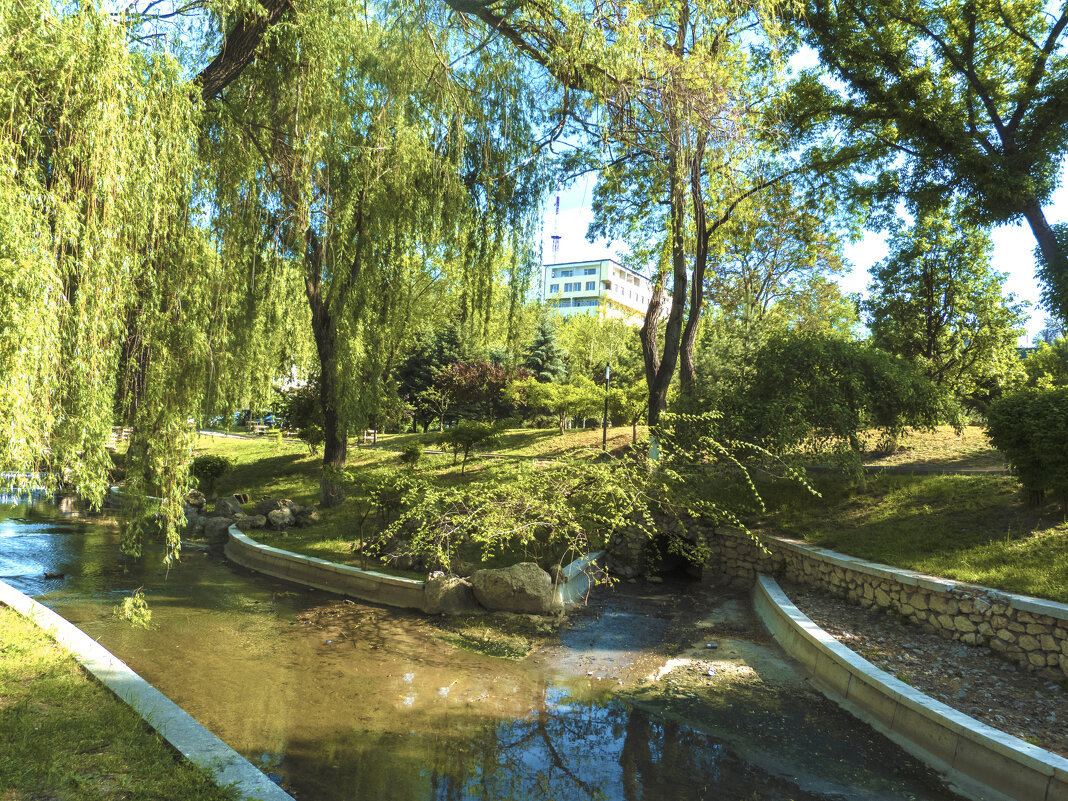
207, 469
412, 453
573, 505
1030, 426
299, 405
815, 391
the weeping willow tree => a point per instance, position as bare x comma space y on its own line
105, 273
167, 246
370, 151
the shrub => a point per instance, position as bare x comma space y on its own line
822, 391
313, 436
467, 435
1030, 426
207, 469
1047, 366
412, 454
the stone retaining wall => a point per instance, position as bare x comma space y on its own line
1028, 631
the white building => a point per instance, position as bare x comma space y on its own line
592, 287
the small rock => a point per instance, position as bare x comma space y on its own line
268, 505
196, 499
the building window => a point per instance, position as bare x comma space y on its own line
590, 271
608, 285
564, 304
591, 285
561, 273
554, 288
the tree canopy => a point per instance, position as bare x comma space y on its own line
939, 100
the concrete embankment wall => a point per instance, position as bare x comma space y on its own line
1029, 631
370, 585
367, 585
174, 724
984, 763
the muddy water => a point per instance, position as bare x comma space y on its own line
339, 700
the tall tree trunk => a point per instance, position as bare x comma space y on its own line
1047, 241
335, 429
659, 371
688, 367
649, 333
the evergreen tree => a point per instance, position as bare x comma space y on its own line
418, 373
545, 358
936, 301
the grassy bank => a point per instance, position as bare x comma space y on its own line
270, 466
973, 528
67, 737
944, 447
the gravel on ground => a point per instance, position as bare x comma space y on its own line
973, 680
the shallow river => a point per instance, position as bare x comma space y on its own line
341, 700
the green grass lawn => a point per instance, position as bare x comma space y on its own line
943, 447
973, 528
67, 737
532, 443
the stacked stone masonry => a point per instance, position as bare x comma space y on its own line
1028, 631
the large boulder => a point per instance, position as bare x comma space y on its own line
196, 499
228, 507
523, 587
193, 521
217, 530
249, 522
280, 518
268, 505
449, 595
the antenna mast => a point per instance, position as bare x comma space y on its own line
556, 228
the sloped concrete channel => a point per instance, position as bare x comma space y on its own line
340, 699
984, 762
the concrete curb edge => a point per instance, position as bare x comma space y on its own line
174, 724
987, 764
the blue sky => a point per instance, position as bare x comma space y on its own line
1013, 245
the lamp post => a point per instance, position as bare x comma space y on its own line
604, 420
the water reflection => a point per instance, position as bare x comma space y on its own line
345, 701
